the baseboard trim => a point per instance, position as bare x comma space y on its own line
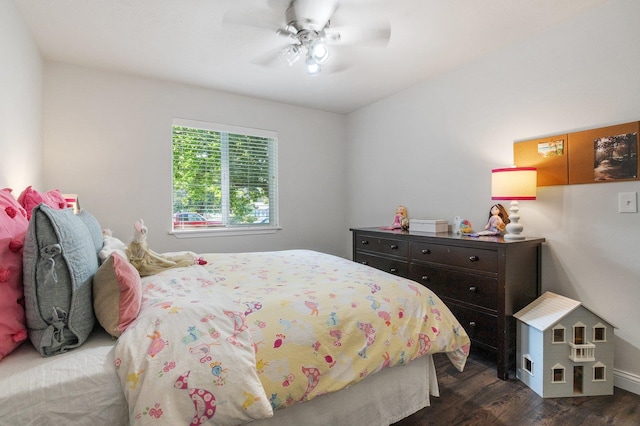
627, 381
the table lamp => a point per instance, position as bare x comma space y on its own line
514, 184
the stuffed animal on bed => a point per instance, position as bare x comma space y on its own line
111, 244
147, 261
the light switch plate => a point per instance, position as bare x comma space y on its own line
627, 202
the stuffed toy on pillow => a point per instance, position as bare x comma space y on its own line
111, 244
148, 262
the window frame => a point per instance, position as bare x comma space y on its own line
560, 369
579, 334
226, 229
558, 328
527, 363
599, 329
597, 370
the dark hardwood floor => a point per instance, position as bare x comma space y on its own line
477, 397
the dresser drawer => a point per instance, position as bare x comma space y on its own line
393, 266
480, 327
466, 257
474, 289
382, 245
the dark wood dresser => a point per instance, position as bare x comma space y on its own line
483, 280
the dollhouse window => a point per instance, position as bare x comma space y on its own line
599, 333
579, 337
558, 335
527, 364
558, 374
599, 372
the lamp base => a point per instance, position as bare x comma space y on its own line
513, 237
514, 229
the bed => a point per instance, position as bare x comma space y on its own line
283, 337
140, 378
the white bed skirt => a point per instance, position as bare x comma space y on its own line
81, 388
380, 399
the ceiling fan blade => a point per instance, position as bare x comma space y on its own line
272, 58
372, 36
341, 59
258, 17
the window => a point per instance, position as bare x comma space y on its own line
599, 333
558, 374
579, 334
224, 178
558, 334
599, 372
527, 364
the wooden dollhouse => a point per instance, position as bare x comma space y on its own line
563, 349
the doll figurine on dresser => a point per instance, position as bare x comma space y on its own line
498, 219
400, 220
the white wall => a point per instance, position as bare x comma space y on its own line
20, 103
432, 148
108, 138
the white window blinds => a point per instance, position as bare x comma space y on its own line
223, 176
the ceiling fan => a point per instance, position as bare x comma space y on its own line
310, 31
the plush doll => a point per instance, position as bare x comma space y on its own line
148, 262
400, 220
498, 219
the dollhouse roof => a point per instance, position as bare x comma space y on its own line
546, 310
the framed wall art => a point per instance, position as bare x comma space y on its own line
604, 155
548, 155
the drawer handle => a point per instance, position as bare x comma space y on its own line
393, 270
473, 289
393, 247
364, 262
472, 324
473, 258
364, 242
426, 251
425, 278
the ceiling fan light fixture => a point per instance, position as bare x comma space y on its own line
312, 66
291, 53
319, 51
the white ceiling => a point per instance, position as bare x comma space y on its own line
194, 42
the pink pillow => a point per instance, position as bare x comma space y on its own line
13, 226
29, 198
117, 294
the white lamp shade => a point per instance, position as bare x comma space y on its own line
513, 183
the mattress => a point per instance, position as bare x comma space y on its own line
77, 388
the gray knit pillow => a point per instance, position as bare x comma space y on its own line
60, 259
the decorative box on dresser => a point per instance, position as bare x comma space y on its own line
483, 280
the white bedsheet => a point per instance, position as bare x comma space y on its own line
76, 388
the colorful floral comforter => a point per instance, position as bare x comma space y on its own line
249, 333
